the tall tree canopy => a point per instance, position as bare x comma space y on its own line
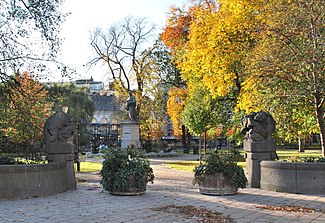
259, 54
288, 63
219, 41
166, 70
122, 49
29, 34
214, 48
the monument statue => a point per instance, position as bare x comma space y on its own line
60, 128
258, 126
130, 106
60, 145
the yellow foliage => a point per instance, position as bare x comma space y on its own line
218, 45
175, 105
250, 98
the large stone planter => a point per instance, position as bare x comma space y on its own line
34, 180
133, 189
291, 177
216, 184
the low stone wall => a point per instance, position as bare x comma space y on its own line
36, 180
291, 177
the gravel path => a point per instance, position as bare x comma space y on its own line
166, 178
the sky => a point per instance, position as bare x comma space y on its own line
87, 15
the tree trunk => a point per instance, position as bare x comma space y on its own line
200, 158
301, 145
184, 137
321, 124
189, 139
205, 146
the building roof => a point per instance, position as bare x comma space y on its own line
104, 102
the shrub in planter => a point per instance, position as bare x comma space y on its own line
306, 159
126, 172
220, 174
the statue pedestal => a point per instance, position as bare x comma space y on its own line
130, 134
61, 152
255, 152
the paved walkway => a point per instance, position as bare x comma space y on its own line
172, 198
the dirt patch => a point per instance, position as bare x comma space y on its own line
197, 214
290, 209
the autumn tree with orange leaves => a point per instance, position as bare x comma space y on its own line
258, 55
175, 106
174, 36
24, 109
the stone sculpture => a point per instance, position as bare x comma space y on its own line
130, 106
258, 126
60, 144
60, 128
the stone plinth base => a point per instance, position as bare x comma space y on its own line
259, 146
60, 148
130, 134
257, 151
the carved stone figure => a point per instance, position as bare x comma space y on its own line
130, 106
60, 128
258, 126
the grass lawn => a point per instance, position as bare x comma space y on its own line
88, 167
296, 153
188, 166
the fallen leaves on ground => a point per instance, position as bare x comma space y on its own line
290, 208
201, 214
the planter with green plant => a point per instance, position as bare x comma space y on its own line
126, 172
220, 174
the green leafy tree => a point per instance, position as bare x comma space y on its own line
288, 60
199, 112
163, 65
79, 105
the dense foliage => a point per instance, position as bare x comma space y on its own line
306, 159
24, 109
121, 167
226, 163
79, 103
175, 106
199, 112
257, 55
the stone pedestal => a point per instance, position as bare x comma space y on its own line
130, 134
257, 151
63, 153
